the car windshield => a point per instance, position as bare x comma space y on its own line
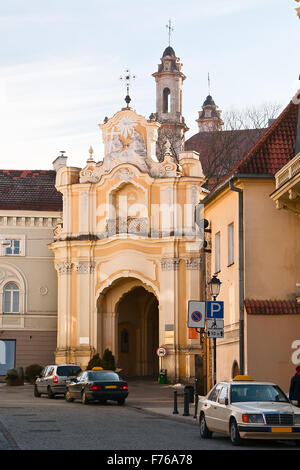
104, 376
67, 371
247, 392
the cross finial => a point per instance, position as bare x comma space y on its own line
208, 80
127, 77
170, 29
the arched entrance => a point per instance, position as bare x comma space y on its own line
131, 330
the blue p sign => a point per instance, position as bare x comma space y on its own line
214, 309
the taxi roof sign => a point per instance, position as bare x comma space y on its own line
97, 368
246, 378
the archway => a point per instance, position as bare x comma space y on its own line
128, 324
138, 332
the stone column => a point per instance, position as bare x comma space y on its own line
64, 271
110, 332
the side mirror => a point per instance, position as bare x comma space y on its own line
223, 401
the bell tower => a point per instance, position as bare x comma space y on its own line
169, 80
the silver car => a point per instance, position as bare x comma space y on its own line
52, 380
246, 409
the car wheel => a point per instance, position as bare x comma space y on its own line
68, 397
84, 398
36, 392
102, 402
121, 402
297, 442
234, 433
205, 433
50, 393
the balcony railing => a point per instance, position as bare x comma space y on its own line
288, 171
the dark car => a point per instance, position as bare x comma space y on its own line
100, 385
52, 380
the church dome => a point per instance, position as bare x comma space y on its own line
209, 101
169, 51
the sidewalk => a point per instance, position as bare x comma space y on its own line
149, 396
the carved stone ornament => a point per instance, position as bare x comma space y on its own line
44, 290
169, 264
193, 263
85, 267
64, 268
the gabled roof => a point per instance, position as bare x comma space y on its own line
272, 307
229, 146
29, 190
274, 149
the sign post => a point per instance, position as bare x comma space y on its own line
215, 312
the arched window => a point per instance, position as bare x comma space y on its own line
166, 100
11, 302
124, 341
235, 369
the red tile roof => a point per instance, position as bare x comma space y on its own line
220, 150
274, 149
272, 307
29, 190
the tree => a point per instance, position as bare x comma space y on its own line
221, 149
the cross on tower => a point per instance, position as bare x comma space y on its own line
170, 29
208, 79
127, 77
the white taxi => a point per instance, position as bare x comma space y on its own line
246, 409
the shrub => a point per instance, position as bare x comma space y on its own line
95, 361
32, 371
108, 360
13, 378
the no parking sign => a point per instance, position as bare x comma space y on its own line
196, 314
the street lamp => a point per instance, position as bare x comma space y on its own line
214, 289
214, 286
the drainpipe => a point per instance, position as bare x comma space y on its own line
241, 275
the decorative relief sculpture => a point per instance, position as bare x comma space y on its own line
85, 267
193, 263
125, 142
64, 268
168, 264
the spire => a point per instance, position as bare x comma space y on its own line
127, 77
210, 117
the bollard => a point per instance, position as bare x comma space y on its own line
186, 404
175, 412
196, 406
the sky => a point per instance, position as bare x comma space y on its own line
61, 60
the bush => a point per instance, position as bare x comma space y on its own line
95, 361
108, 360
13, 378
32, 371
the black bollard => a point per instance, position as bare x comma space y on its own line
186, 404
196, 406
175, 412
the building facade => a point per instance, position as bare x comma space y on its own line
30, 208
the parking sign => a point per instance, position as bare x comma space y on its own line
214, 309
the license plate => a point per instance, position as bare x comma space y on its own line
110, 386
281, 429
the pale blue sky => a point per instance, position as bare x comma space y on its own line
60, 63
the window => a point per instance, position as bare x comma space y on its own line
230, 232
12, 244
14, 247
213, 396
166, 100
223, 393
217, 252
11, 298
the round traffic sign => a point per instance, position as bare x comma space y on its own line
196, 316
161, 351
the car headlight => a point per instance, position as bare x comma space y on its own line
253, 418
296, 418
